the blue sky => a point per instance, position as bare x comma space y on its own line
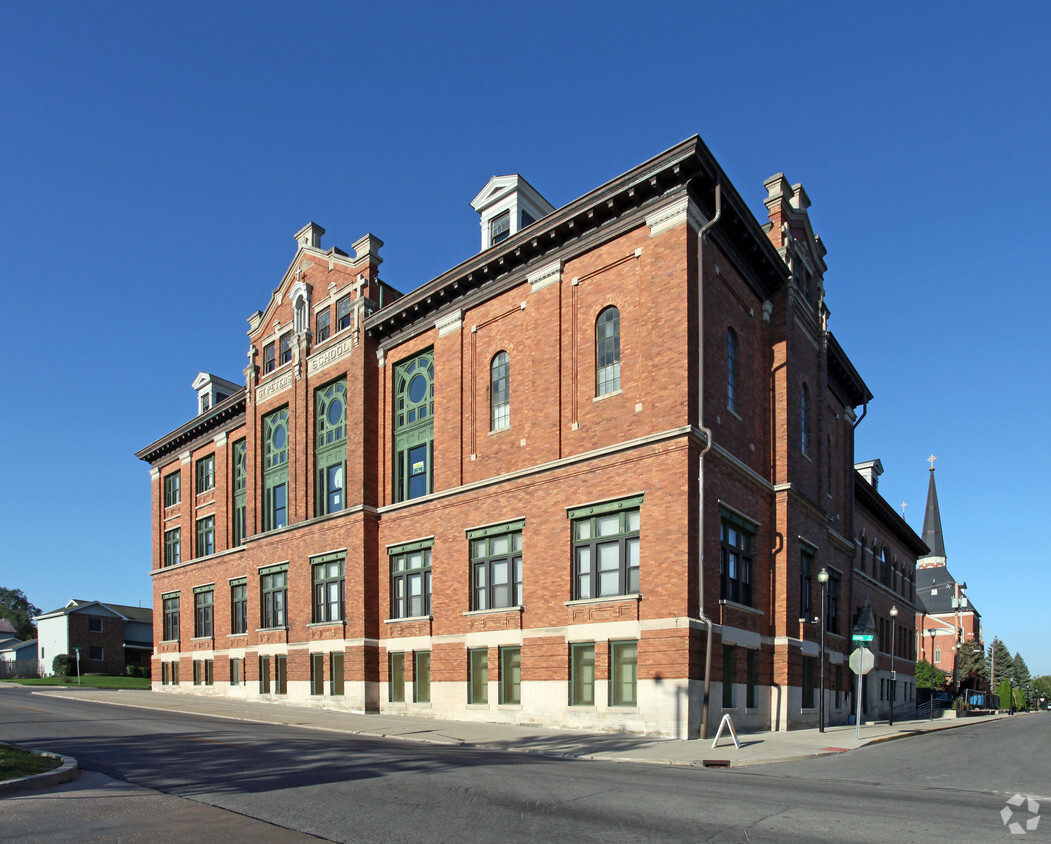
157, 159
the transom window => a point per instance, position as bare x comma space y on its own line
414, 426
606, 549
496, 567
206, 473
410, 581
328, 591
500, 392
607, 352
735, 565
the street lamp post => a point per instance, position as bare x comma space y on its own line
893, 675
822, 578
1011, 698
931, 718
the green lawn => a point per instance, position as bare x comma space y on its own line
96, 681
20, 763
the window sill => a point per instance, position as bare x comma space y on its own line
337, 623
726, 602
631, 596
516, 608
607, 395
271, 629
478, 706
236, 635
169, 641
202, 639
408, 619
734, 413
503, 430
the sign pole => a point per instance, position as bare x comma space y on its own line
857, 715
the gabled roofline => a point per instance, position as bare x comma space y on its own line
871, 498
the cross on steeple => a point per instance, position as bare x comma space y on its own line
931, 460
903, 506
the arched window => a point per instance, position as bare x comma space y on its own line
828, 463
414, 426
330, 447
804, 406
731, 369
275, 470
500, 392
884, 572
607, 352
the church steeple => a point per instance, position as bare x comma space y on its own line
932, 523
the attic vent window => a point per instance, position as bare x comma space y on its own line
501, 227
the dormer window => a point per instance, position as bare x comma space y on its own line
206, 402
211, 390
500, 227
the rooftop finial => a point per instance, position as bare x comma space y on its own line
931, 460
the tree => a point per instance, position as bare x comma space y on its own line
1000, 664
970, 665
15, 607
1042, 688
64, 665
923, 676
1021, 671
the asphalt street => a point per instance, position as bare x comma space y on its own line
343, 787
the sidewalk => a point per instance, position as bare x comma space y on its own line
756, 748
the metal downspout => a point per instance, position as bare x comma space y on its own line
701, 235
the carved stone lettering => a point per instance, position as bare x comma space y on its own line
272, 388
329, 356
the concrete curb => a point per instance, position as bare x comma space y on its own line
67, 771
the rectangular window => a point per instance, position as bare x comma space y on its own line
206, 536
806, 570
202, 612
238, 606
264, 675
606, 550
275, 598
511, 676
317, 674
343, 313
206, 473
240, 485
281, 675
328, 591
175, 673
209, 672
235, 672
499, 228
335, 665
171, 489
421, 677
624, 673
95, 653
582, 675
269, 359
172, 547
164, 674
397, 677
94, 625
277, 506
496, 567
728, 676
751, 699
410, 582
197, 672
735, 564
284, 354
809, 664
478, 675
324, 325
832, 604
171, 617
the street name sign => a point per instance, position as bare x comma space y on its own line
862, 637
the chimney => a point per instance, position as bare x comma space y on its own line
870, 470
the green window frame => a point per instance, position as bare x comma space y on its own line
281, 674
421, 677
623, 673
335, 664
173, 547
317, 674
206, 473
478, 676
172, 484
582, 674
275, 469
236, 671
496, 566
330, 406
205, 536
240, 487
170, 608
410, 579
274, 592
728, 676
737, 539
414, 427
203, 611
239, 606
328, 590
396, 684
511, 676
264, 675
500, 392
607, 352
606, 549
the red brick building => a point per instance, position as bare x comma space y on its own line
588, 477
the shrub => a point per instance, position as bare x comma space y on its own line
64, 665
